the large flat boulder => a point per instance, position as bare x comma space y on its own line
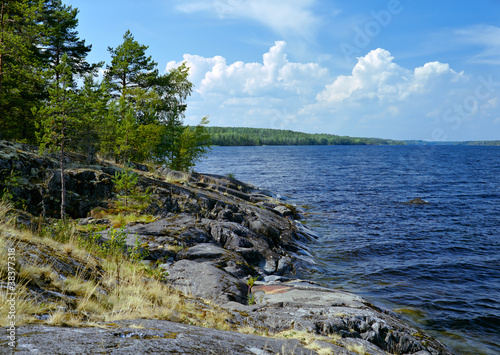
205, 280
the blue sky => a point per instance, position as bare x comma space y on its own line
401, 69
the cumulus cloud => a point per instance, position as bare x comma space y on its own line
377, 77
291, 17
276, 75
259, 94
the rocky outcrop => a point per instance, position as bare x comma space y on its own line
150, 337
304, 306
38, 181
214, 236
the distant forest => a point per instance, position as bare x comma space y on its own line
242, 136
418, 142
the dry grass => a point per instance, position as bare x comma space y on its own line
119, 217
177, 177
358, 349
90, 302
122, 219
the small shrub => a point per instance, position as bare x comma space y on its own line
125, 182
251, 296
12, 182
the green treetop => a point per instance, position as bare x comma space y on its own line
61, 38
130, 67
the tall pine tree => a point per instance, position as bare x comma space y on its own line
93, 109
130, 67
132, 75
60, 118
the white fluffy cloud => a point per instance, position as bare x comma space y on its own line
276, 75
377, 77
262, 94
291, 17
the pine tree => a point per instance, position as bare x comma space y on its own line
61, 38
93, 100
132, 76
22, 83
130, 67
59, 118
125, 182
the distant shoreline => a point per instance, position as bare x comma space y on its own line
244, 136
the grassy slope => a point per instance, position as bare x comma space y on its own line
118, 289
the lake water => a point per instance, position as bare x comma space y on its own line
438, 265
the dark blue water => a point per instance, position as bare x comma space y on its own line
438, 265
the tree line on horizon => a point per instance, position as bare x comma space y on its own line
244, 136
52, 97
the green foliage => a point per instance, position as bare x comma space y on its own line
93, 100
124, 130
125, 182
90, 242
133, 114
60, 118
130, 68
22, 82
143, 198
191, 145
157, 272
34, 36
240, 136
251, 296
114, 248
61, 231
10, 183
251, 281
138, 252
251, 299
61, 38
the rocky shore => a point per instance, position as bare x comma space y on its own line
220, 240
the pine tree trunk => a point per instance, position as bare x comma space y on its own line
63, 187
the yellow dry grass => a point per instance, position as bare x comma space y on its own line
90, 302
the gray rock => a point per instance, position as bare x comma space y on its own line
206, 281
307, 307
148, 337
203, 251
212, 234
284, 211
